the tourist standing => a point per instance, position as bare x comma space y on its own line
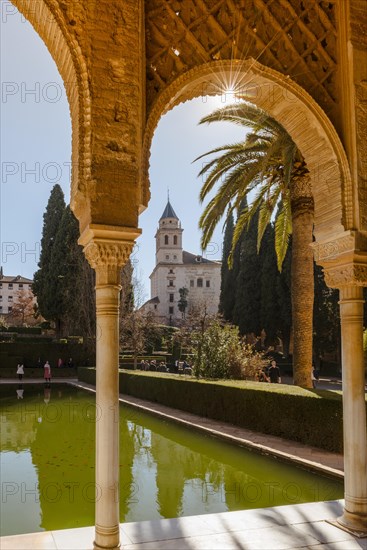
313, 377
47, 371
20, 370
274, 373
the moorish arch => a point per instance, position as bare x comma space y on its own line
47, 19
341, 245
292, 107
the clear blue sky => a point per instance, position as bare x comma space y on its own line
36, 154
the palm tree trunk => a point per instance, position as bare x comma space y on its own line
302, 284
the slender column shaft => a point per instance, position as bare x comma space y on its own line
354, 409
107, 249
107, 425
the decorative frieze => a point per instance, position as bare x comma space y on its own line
332, 249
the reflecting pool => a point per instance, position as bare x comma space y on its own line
47, 466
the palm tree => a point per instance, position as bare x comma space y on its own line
269, 163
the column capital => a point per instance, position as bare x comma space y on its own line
345, 275
107, 249
108, 254
344, 259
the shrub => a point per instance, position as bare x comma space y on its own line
220, 353
3, 324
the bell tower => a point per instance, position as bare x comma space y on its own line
169, 238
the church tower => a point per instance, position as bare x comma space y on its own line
176, 269
169, 238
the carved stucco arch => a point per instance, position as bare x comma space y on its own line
48, 21
295, 109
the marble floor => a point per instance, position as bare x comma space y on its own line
278, 528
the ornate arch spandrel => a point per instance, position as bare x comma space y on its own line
295, 109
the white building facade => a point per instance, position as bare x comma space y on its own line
176, 269
13, 289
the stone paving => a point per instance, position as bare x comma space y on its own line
280, 528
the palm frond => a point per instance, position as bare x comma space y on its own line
283, 229
266, 211
245, 114
267, 160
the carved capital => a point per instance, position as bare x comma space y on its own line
346, 275
344, 259
107, 249
108, 254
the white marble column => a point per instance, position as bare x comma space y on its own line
354, 409
107, 256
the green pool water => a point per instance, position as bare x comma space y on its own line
47, 466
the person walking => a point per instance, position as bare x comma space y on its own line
20, 370
274, 373
47, 371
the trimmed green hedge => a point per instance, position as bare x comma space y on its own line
312, 417
29, 352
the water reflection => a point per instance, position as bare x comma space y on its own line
20, 392
47, 394
165, 470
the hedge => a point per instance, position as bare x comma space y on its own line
28, 353
312, 417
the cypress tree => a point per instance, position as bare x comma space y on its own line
246, 312
227, 297
74, 286
44, 279
326, 317
269, 309
283, 289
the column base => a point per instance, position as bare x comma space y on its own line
352, 524
98, 547
107, 538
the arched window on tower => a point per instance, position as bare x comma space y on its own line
175, 239
166, 239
